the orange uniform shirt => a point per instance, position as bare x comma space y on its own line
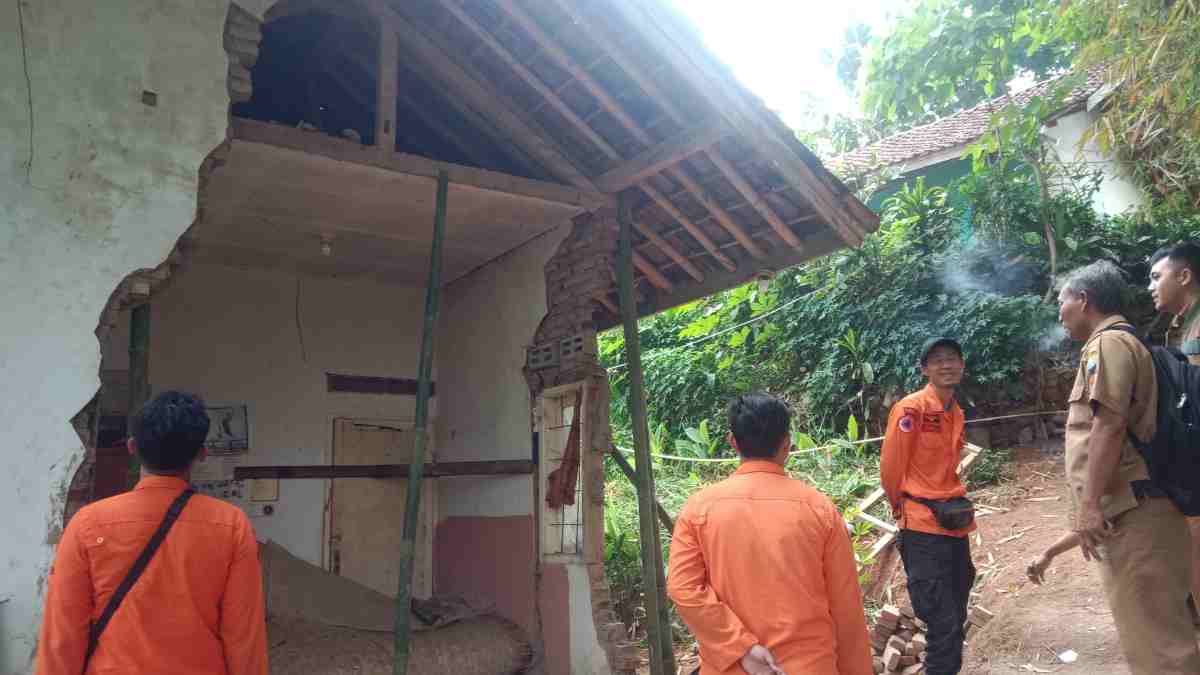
197, 608
921, 452
764, 558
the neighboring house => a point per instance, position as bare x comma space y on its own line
936, 150
238, 200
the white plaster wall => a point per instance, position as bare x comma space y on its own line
111, 185
1117, 192
587, 656
488, 319
231, 335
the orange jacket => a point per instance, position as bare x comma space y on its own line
196, 610
763, 558
921, 451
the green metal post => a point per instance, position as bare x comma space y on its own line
408, 544
662, 656
139, 374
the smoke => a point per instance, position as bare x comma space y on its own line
1053, 338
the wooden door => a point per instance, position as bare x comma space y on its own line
367, 514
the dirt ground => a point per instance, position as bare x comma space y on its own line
1033, 624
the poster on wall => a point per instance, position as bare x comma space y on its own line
229, 433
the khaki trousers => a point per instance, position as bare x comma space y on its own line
1147, 573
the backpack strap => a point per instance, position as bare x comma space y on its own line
135, 572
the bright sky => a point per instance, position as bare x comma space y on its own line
774, 47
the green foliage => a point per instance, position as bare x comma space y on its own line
1148, 47
951, 54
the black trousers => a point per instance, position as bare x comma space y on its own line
940, 575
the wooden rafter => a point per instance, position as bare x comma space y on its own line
762, 131
655, 159
554, 99
692, 229
655, 277
564, 60
480, 95
648, 85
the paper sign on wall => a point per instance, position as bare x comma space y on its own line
229, 432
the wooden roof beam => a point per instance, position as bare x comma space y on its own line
654, 160
552, 49
479, 95
553, 98
650, 87
688, 225
669, 38
655, 277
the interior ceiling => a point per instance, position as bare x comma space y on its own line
560, 91
273, 205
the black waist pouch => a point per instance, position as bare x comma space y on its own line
952, 514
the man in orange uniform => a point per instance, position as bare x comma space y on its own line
197, 609
919, 472
761, 567
1175, 287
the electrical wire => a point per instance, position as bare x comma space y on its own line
830, 446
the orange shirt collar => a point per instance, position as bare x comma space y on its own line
759, 466
1107, 323
171, 482
932, 394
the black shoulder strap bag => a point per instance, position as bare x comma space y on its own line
135, 572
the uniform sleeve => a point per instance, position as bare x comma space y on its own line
243, 620
898, 444
67, 615
1111, 374
845, 601
723, 638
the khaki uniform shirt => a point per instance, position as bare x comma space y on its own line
1117, 372
1184, 333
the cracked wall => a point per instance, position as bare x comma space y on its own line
97, 182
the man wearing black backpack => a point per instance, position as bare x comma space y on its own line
1175, 287
1124, 521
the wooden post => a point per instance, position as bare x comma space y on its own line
408, 544
662, 656
139, 374
386, 86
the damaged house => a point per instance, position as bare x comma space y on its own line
238, 199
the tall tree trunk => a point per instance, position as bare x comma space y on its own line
1048, 217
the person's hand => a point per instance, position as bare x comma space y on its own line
1036, 571
1092, 530
760, 661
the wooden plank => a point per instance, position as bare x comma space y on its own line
343, 150
881, 524
653, 160
386, 87
480, 95
623, 464
677, 257
500, 467
652, 274
365, 384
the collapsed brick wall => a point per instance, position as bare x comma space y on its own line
578, 274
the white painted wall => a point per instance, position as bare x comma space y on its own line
111, 185
488, 319
587, 656
1117, 192
231, 336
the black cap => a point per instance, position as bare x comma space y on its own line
935, 342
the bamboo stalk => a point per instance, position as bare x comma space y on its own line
662, 658
408, 543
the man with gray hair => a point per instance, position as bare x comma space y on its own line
1123, 520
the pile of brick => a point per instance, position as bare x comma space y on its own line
899, 641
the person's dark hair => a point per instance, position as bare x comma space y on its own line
1103, 283
759, 423
1186, 254
170, 430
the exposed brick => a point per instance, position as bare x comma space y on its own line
891, 658
897, 644
906, 661
877, 665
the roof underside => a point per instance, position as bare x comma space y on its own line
606, 97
